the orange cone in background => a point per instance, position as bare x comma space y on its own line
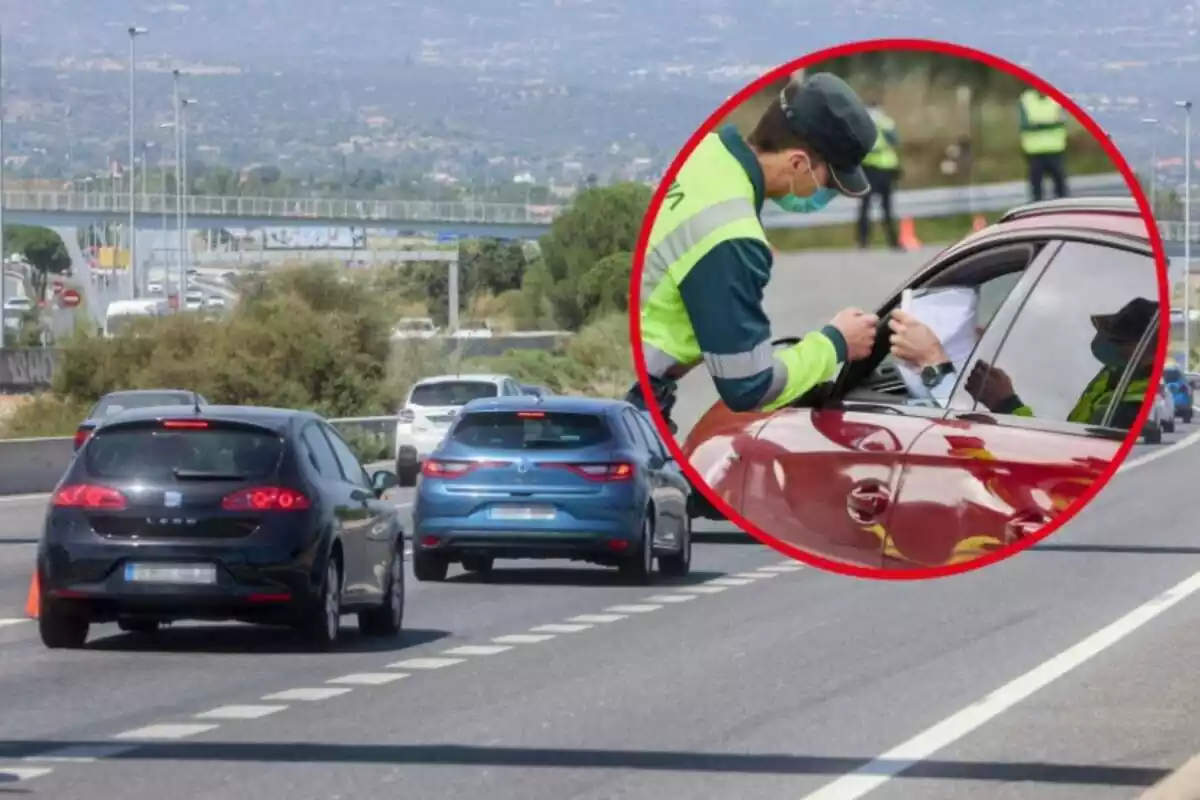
979, 224
33, 603
908, 234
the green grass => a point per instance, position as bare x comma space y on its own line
935, 230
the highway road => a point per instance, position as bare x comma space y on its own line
755, 678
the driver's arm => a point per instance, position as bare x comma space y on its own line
723, 296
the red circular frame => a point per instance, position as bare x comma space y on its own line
783, 71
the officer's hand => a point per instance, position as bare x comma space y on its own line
858, 329
914, 342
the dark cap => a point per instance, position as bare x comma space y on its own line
826, 113
1128, 325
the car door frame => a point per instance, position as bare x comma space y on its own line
650, 465
333, 488
377, 532
672, 501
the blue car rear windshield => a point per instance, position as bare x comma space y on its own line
155, 454
528, 430
114, 404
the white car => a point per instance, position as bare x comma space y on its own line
194, 299
431, 407
414, 328
1162, 416
474, 330
154, 288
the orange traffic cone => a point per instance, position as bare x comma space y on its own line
33, 603
979, 224
908, 234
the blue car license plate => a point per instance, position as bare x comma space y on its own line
522, 513
176, 574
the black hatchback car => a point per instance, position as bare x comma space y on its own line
219, 513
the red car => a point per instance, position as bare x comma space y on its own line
864, 471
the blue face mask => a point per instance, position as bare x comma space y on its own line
1108, 353
806, 205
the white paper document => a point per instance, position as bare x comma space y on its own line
952, 314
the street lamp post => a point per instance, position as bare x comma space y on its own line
178, 188
134, 276
1186, 105
187, 240
3, 279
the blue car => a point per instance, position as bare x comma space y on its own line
1181, 392
551, 478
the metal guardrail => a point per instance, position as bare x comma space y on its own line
34, 466
916, 203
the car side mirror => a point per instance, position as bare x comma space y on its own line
383, 480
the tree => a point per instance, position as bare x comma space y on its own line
43, 249
604, 288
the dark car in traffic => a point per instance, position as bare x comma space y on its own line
551, 478
116, 402
219, 513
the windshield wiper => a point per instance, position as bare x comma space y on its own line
197, 475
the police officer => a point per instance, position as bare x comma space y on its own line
708, 260
1117, 338
882, 168
1044, 141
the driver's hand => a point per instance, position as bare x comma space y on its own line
913, 342
858, 329
989, 385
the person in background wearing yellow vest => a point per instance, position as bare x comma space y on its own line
1116, 340
708, 261
1044, 141
882, 168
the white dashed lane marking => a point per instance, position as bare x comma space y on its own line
633, 609
523, 638
478, 650
782, 568
310, 695
369, 678
728, 582
597, 618
166, 731
14, 774
7, 621
670, 598
701, 589
426, 663
560, 628
756, 575
240, 712
83, 753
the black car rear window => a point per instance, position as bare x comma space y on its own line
526, 430
157, 454
451, 393
115, 404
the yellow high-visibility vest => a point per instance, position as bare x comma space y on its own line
1048, 134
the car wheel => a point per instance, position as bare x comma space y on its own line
430, 566
61, 629
1153, 436
324, 621
1169, 427
1186, 416
639, 568
388, 619
482, 564
406, 474
141, 626
678, 565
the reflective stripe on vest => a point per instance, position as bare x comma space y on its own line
711, 201
882, 155
1041, 110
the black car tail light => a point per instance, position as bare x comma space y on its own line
89, 496
266, 498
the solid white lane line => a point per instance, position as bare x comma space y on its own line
83, 753
239, 712
369, 678
13, 774
166, 731
307, 694
855, 784
634, 609
597, 618
7, 621
523, 638
559, 627
477, 650
670, 598
426, 663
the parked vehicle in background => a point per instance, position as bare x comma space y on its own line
115, 402
414, 328
257, 515
120, 313
431, 406
474, 329
536, 391
1183, 393
551, 478
194, 299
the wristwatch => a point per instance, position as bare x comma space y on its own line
933, 375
